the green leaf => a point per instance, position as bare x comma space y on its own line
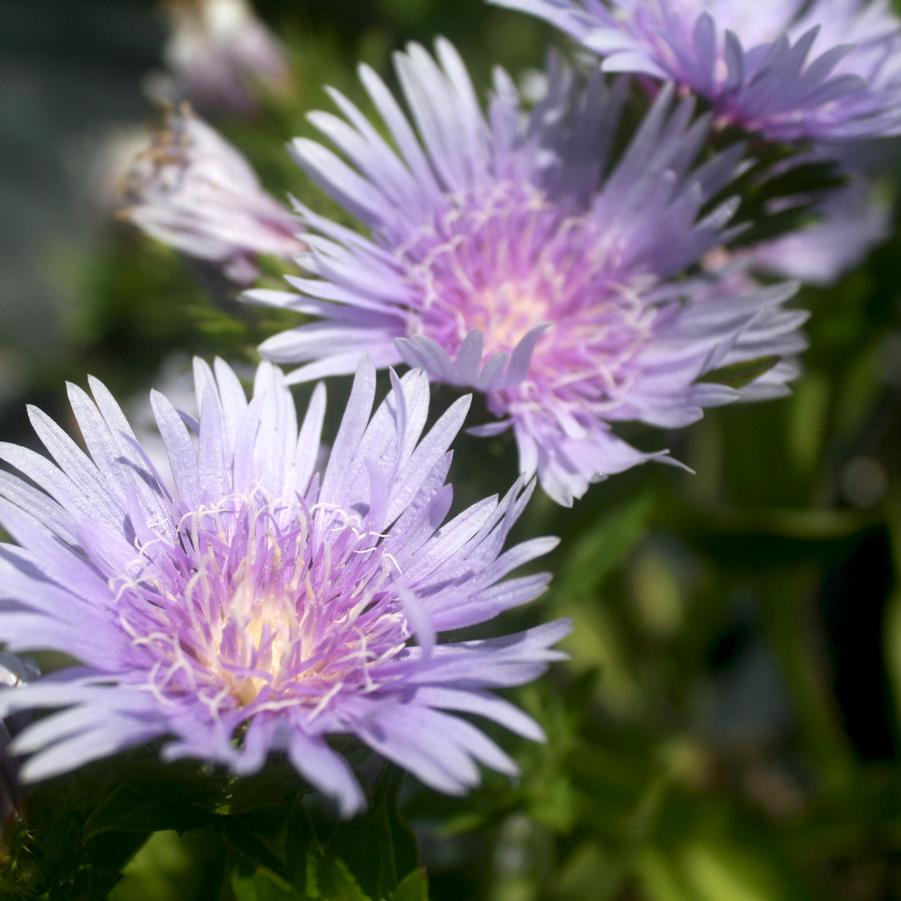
315, 872
277, 785
806, 178
378, 846
414, 887
302, 849
808, 424
773, 538
250, 845
129, 810
740, 375
172, 867
707, 849
262, 884
335, 882
712, 870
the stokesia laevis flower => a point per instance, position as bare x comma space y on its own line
195, 192
791, 70
221, 55
508, 254
256, 600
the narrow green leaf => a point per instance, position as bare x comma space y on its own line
302, 849
740, 375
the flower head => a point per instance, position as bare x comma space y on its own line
265, 594
508, 253
194, 191
826, 70
221, 55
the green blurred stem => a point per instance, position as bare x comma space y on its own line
792, 629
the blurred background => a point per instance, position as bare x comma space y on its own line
728, 727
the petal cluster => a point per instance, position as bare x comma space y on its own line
826, 70
510, 252
264, 594
195, 192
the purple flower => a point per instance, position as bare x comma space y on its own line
851, 222
509, 255
221, 55
194, 191
825, 70
266, 594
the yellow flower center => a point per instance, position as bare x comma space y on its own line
505, 315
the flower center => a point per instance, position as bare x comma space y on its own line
254, 640
257, 604
508, 260
506, 314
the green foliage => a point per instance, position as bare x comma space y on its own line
413, 887
141, 829
378, 845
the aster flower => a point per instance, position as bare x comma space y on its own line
265, 595
850, 223
221, 55
826, 70
194, 191
508, 254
